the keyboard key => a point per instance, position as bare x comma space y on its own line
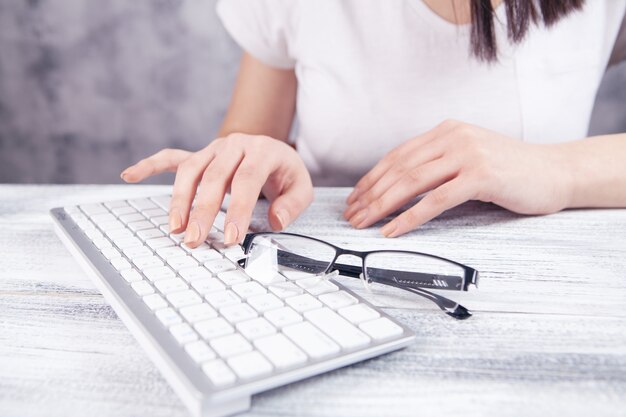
119, 234
220, 218
142, 287
167, 286
155, 274
206, 255
159, 220
315, 343
115, 204
120, 264
220, 299
94, 234
219, 373
168, 317
264, 302
131, 275
198, 312
146, 262
162, 201
102, 243
267, 277
149, 234
283, 316
210, 329
155, 212
133, 217
127, 242
112, 225
250, 365
381, 329
159, 242
91, 209
255, 328
170, 252
176, 237
183, 298
207, 285
103, 218
280, 351
237, 312
198, 272
338, 328
135, 226
200, 248
183, 333
337, 299
120, 211
154, 302
142, 204
316, 285
248, 289
219, 265
137, 252
111, 253
199, 351
232, 277
231, 345
181, 262
285, 289
303, 302
358, 313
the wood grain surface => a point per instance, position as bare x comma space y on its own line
548, 336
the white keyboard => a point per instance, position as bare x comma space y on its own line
217, 335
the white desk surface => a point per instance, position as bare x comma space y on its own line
548, 336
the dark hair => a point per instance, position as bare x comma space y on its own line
520, 14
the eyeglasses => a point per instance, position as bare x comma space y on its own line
276, 256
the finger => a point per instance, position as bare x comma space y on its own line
442, 198
292, 201
185, 184
387, 162
245, 188
213, 185
413, 183
421, 155
166, 160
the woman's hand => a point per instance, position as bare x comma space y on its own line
248, 165
454, 163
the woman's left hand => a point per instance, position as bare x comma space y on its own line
456, 162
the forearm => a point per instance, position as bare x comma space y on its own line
597, 168
263, 101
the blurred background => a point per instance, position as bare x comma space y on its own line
89, 87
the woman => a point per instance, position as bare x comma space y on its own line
458, 99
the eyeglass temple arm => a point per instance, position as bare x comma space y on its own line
420, 279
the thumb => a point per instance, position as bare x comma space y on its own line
290, 203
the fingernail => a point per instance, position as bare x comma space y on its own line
359, 217
175, 220
231, 233
389, 229
283, 218
124, 174
192, 234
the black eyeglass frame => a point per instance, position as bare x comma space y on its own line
435, 281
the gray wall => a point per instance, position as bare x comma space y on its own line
88, 87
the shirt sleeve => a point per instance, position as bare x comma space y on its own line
261, 28
619, 50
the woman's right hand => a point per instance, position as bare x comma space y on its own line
248, 165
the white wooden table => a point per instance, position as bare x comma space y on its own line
548, 336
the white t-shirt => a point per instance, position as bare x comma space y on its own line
374, 73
